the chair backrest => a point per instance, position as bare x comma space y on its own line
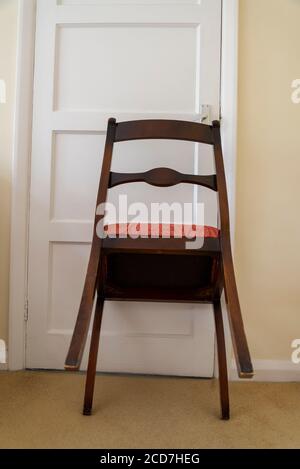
165, 177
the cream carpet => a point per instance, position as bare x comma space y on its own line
43, 410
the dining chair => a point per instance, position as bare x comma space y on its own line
146, 268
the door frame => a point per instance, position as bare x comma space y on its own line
22, 156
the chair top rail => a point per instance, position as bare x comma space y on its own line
164, 129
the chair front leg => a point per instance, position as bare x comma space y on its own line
222, 362
92, 364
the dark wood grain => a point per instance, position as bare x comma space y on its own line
159, 295
239, 340
79, 337
162, 245
222, 361
92, 364
163, 177
164, 269
164, 129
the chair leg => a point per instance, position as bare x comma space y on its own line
239, 340
92, 364
223, 378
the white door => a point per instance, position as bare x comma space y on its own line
127, 59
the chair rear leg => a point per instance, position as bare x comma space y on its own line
92, 364
223, 377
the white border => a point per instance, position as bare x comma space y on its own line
22, 150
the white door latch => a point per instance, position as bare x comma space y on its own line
205, 114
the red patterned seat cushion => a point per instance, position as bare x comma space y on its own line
160, 230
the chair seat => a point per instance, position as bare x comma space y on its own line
160, 230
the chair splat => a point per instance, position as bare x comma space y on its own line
163, 177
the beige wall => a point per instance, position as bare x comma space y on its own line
8, 33
268, 192
268, 174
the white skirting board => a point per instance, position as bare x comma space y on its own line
270, 371
3, 354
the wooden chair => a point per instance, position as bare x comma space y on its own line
113, 261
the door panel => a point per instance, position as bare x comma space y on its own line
128, 59
158, 59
